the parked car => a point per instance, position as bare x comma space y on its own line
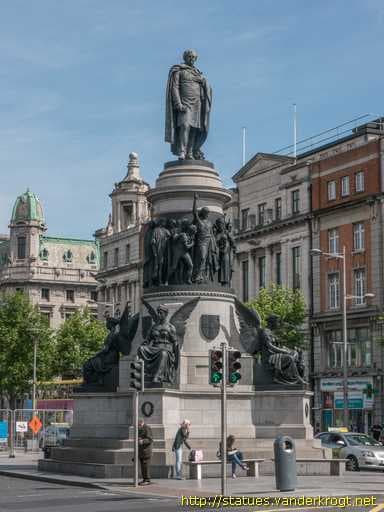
361, 450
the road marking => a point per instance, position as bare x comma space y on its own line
378, 508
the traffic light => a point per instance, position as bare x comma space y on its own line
137, 375
234, 366
215, 366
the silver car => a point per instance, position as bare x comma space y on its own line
362, 451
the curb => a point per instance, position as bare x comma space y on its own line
51, 479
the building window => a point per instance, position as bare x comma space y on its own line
127, 253
116, 257
93, 295
345, 186
118, 293
244, 218
45, 294
68, 256
359, 286
44, 254
278, 268
359, 348
331, 190
68, 315
108, 295
105, 259
70, 295
91, 258
295, 197
359, 181
296, 267
334, 348
262, 272
46, 316
261, 213
333, 241
333, 291
244, 269
358, 236
21, 247
278, 208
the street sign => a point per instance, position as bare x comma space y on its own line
21, 426
35, 424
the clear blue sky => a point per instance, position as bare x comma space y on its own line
83, 81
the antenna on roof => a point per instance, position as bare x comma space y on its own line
294, 131
243, 130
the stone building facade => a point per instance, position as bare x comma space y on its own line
270, 208
347, 204
56, 273
120, 275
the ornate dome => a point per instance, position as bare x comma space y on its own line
27, 208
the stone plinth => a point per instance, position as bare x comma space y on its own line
177, 184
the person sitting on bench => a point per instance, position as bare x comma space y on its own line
234, 456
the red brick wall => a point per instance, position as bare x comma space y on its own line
371, 170
353, 261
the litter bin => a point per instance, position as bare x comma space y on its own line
285, 463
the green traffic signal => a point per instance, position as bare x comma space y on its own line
216, 377
215, 366
234, 366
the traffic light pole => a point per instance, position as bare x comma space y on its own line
136, 439
224, 422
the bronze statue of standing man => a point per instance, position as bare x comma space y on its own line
188, 104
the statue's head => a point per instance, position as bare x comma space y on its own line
204, 212
162, 312
191, 229
220, 224
190, 57
273, 321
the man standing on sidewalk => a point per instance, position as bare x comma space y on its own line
145, 451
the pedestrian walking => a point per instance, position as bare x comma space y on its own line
234, 456
181, 439
376, 430
145, 451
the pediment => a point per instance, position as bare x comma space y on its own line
260, 163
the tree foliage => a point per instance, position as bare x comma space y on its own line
289, 305
21, 325
77, 339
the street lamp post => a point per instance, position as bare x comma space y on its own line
34, 372
341, 256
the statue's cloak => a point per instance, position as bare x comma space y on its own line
171, 112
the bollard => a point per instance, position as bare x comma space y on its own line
285, 463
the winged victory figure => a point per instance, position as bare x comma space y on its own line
285, 364
119, 340
161, 349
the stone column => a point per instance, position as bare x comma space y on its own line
251, 274
269, 265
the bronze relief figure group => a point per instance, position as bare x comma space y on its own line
188, 251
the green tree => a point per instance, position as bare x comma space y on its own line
21, 325
77, 339
289, 305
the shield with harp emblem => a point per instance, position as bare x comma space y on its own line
210, 326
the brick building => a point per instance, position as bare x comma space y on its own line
347, 208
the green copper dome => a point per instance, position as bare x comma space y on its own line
27, 208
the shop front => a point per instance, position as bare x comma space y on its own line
360, 403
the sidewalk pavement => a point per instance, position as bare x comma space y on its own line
351, 484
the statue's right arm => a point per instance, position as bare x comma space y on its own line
178, 104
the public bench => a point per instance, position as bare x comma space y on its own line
195, 467
333, 467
